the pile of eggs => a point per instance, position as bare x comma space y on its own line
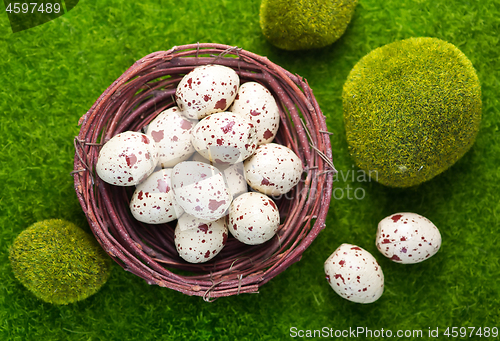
195, 162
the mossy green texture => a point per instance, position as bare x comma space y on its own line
412, 108
59, 262
305, 24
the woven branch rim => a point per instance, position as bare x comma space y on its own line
131, 102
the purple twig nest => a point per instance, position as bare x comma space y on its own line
131, 102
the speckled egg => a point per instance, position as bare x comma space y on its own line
201, 243
187, 222
197, 157
172, 135
233, 174
273, 169
127, 159
224, 138
256, 103
206, 90
407, 238
253, 218
235, 179
354, 274
200, 189
153, 201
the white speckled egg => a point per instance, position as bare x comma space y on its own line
200, 189
233, 174
127, 159
197, 157
187, 222
172, 135
206, 90
273, 169
153, 201
202, 242
407, 238
354, 274
224, 138
235, 179
256, 103
253, 218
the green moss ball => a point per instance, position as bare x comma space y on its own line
59, 262
412, 108
305, 24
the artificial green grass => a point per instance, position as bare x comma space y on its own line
53, 73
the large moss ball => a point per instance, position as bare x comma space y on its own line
412, 108
305, 24
59, 262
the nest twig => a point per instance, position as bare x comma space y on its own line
148, 251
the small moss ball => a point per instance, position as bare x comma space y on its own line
59, 262
305, 24
412, 108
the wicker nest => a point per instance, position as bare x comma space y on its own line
131, 102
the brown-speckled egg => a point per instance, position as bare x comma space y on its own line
200, 189
206, 90
172, 135
127, 159
235, 179
153, 201
233, 174
256, 103
224, 138
273, 169
202, 241
407, 238
354, 274
187, 222
253, 218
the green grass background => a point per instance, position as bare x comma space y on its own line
50, 75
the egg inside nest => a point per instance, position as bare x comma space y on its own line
209, 155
